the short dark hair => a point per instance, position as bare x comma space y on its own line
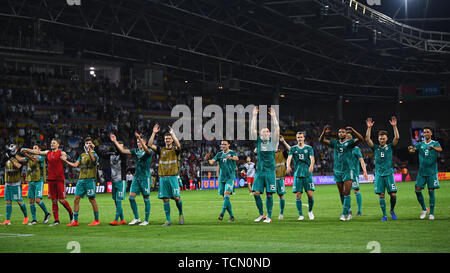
300, 133
167, 134
226, 141
88, 139
57, 140
427, 127
382, 133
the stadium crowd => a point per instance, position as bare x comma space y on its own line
73, 111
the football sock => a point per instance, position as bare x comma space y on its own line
346, 205
8, 211
282, 204
310, 203
269, 206
393, 202
432, 201
383, 206
421, 200
67, 206
259, 204
134, 206
179, 206
147, 208
33, 211
167, 210
55, 211
24, 209
43, 207
359, 201
298, 204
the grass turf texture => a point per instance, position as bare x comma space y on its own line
203, 232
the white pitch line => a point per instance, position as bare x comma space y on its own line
8, 235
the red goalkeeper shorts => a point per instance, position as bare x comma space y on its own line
56, 189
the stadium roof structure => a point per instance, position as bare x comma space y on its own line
316, 48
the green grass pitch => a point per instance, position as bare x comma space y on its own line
203, 232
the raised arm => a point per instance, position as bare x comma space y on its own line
322, 139
119, 147
144, 146
34, 152
276, 131
393, 122
90, 152
32, 158
174, 137
311, 166
363, 167
369, 123
152, 138
288, 147
358, 135
253, 130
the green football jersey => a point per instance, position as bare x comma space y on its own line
265, 155
302, 159
342, 155
383, 160
356, 152
88, 167
143, 161
427, 158
227, 166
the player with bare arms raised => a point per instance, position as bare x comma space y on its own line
384, 169
343, 167
265, 177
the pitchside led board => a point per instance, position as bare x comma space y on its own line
288, 181
70, 189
